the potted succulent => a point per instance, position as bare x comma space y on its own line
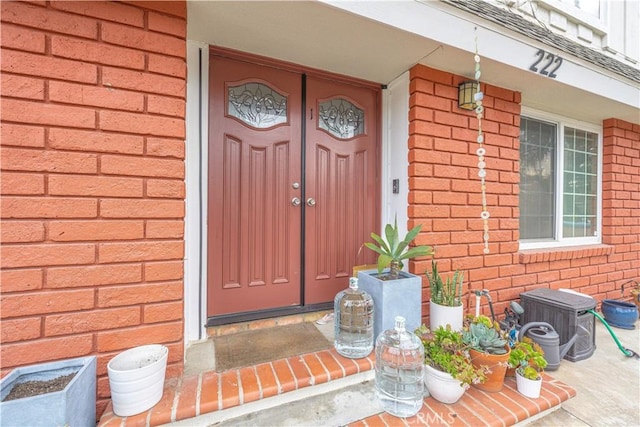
394, 292
392, 251
448, 367
445, 304
527, 358
488, 347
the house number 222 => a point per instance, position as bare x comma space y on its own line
549, 62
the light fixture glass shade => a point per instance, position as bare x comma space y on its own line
466, 91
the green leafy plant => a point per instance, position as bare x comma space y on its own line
484, 335
447, 293
392, 251
445, 351
527, 357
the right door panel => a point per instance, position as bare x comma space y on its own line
341, 184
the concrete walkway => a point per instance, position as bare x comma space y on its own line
608, 385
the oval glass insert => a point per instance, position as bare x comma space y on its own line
257, 105
341, 118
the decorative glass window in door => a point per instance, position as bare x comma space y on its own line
257, 105
341, 118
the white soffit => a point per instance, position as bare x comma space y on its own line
379, 40
308, 33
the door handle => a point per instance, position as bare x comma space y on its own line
295, 201
311, 201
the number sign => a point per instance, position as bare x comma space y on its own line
549, 62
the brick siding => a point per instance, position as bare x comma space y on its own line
444, 196
93, 128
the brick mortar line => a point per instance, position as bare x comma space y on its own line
198, 393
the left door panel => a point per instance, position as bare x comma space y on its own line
254, 252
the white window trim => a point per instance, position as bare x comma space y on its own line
562, 122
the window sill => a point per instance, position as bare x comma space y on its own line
531, 256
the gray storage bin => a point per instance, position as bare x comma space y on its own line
567, 313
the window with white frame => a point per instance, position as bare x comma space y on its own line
560, 182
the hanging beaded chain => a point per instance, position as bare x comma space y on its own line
482, 173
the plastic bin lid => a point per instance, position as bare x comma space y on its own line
562, 299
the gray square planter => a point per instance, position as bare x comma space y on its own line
391, 298
73, 406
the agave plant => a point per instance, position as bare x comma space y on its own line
392, 251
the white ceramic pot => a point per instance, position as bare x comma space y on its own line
442, 386
527, 387
442, 315
136, 378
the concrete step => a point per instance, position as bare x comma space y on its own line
336, 403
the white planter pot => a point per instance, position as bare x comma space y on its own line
136, 379
442, 315
527, 387
391, 298
442, 386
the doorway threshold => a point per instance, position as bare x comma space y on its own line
277, 313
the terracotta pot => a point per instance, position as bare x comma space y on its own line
511, 373
497, 363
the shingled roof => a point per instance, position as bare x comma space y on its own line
520, 25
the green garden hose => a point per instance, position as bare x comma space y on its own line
627, 352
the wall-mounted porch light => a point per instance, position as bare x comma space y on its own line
466, 92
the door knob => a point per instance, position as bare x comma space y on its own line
295, 201
311, 201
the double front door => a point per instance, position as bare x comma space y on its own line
292, 187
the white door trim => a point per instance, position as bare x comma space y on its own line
195, 224
395, 152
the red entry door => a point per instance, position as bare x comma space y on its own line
341, 184
261, 193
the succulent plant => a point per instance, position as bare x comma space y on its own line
528, 358
392, 251
445, 351
447, 293
484, 338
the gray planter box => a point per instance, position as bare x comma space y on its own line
391, 298
73, 406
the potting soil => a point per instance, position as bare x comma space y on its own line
35, 388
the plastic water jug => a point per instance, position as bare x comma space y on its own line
353, 326
399, 371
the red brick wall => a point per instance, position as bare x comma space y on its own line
621, 204
93, 107
445, 197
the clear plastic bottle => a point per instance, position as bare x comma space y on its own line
399, 371
353, 330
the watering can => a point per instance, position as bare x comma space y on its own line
546, 337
